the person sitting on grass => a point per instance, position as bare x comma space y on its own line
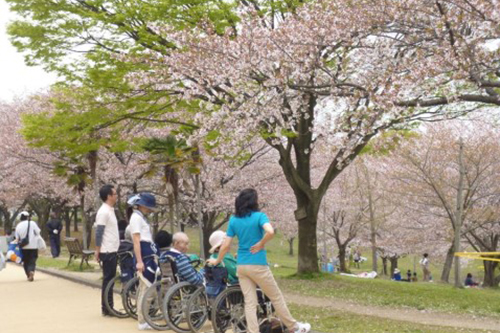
469, 281
186, 272
414, 278
397, 275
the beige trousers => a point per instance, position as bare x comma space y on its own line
140, 299
250, 277
427, 274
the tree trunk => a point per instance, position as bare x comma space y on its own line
42, 207
308, 248
490, 280
384, 265
75, 217
199, 217
342, 263
85, 243
307, 217
445, 275
394, 264
67, 222
7, 221
290, 244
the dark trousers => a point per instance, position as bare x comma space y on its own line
29, 260
55, 245
108, 261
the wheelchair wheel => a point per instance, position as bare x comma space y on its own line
152, 306
174, 306
228, 312
197, 310
114, 302
129, 296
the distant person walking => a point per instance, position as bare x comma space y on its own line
107, 241
254, 230
425, 263
54, 227
30, 250
357, 258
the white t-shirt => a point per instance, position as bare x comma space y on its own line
22, 230
139, 225
424, 262
111, 238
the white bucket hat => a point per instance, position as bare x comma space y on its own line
216, 239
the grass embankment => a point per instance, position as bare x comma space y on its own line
380, 292
326, 320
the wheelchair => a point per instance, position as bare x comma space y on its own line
114, 289
199, 306
228, 311
152, 305
175, 303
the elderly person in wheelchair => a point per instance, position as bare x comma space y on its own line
185, 270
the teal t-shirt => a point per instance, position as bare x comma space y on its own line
250, 231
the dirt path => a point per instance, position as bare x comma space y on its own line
53, 305
408, 315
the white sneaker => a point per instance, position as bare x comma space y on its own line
144, 327
302, 328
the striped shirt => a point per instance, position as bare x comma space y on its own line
185, 270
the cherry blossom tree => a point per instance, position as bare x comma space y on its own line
449, 173
332, 72
25, 173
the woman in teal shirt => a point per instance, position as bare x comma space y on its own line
254, 230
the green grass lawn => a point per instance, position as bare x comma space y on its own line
380, 292
62, 264
326, 320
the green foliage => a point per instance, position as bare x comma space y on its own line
172, 153
388, 141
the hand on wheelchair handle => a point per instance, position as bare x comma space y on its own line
212, 262
195, 263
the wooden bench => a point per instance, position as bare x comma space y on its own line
75, 250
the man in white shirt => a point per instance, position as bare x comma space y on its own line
30, 251
107, 241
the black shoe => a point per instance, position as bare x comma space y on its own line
106, 314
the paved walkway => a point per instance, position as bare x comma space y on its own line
53, 305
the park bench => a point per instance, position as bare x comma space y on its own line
76, 250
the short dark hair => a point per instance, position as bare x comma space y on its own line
426, 255
106, 191
163, 239
246, 202
23, 217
